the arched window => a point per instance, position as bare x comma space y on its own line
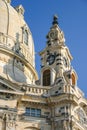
73, 80
46, 78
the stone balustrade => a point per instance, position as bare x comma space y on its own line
6, 41
37, 90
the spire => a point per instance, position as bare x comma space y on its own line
55, 35
55, 20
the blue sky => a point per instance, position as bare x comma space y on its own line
72, 17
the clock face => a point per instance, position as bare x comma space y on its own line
51, 59
53, 34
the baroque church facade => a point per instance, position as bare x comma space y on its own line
53, 102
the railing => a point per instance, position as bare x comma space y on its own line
34, 90
73, 90
6, 41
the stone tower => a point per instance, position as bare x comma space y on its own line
56, 59
65, 99
54, 102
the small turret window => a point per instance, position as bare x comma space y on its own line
46, 78
25, 34
26, 37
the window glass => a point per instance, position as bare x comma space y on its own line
33, 112
27, 111
38, 112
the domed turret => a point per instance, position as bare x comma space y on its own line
16, 45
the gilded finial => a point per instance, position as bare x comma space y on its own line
55, 20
